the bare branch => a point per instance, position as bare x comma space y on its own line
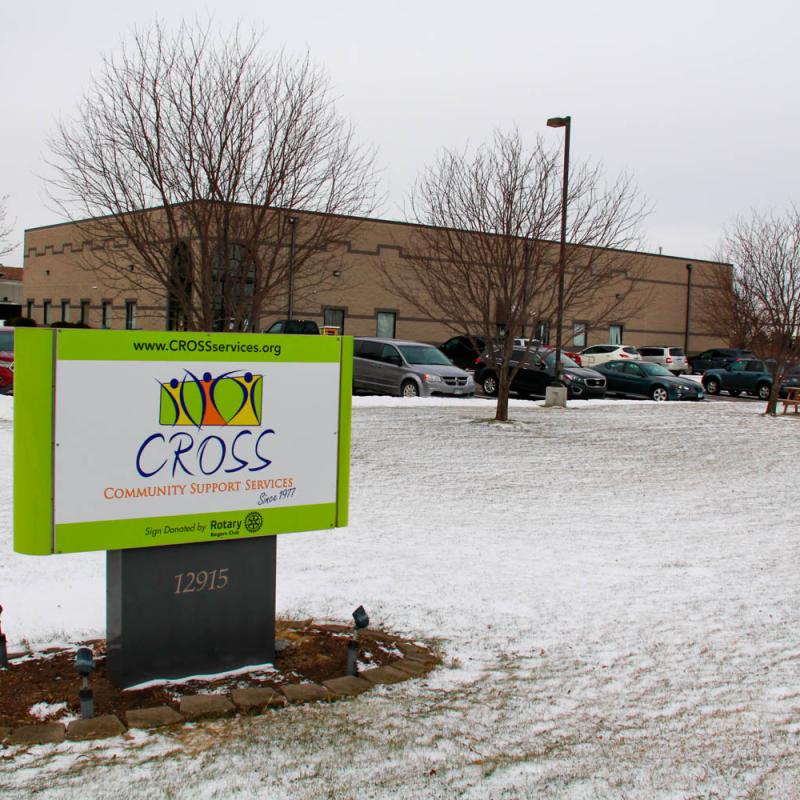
219, 138
6, 228
756, 303
487, 254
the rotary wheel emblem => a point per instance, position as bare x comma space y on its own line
253, 522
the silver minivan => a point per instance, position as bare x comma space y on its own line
673, 358
408, 369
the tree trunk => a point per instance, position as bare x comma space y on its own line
503, 387
772, 401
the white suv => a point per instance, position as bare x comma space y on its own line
599, 353
673, 358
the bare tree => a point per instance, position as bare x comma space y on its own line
756, 304
248, 170
486, 258
6, 227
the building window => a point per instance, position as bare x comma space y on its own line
543, 332
130, 315
579, 334
385, 324
85, 306
29, 312
233, 286
180, 288
65, 310
105, 314
46, 306
333, 317
615, 334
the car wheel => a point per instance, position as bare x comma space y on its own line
712, 386
763, 390
659, 393
409, 389
734, 392
490, 385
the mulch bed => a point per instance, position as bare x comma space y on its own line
314, 653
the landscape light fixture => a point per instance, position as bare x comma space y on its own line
84, 664
565, 123
3, 647
360, 621
360, 618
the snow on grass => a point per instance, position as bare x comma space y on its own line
613, 589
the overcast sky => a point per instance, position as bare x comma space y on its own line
696, 99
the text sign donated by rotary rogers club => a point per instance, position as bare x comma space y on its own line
132, 439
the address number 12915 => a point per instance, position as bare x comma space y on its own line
201, 581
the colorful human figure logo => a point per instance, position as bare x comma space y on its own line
231, 399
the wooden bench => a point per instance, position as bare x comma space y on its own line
792, 398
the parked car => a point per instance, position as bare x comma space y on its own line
536, 373
716, 358
643, 379
6, 360
598, 353
673, 358
409, 369
460, 350
749, 375
307, 326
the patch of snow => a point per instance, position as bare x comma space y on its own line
46, 710
257, 670
613, 591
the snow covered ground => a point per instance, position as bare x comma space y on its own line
614, 589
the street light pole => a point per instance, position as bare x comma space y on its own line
565, 123
293, 222
688, 307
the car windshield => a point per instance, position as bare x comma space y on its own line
566, 361
6, 342
654, 369
424, 354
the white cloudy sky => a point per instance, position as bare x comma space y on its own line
697, 99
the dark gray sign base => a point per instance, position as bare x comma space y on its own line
190, 609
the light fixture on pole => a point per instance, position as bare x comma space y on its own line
688, 307
565, 123
360, 621
559, 396
293, 222
84, 665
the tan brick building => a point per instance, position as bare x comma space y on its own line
60, 284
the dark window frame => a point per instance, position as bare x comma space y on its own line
336, 310
130, 315
386, 312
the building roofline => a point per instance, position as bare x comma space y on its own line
404, 223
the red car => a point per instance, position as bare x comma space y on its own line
6, 360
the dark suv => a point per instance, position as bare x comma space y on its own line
536, 373
460, 351
294, 326
716, 358
744, 375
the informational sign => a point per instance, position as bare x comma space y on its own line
129, 439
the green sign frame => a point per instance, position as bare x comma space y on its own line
45, 358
